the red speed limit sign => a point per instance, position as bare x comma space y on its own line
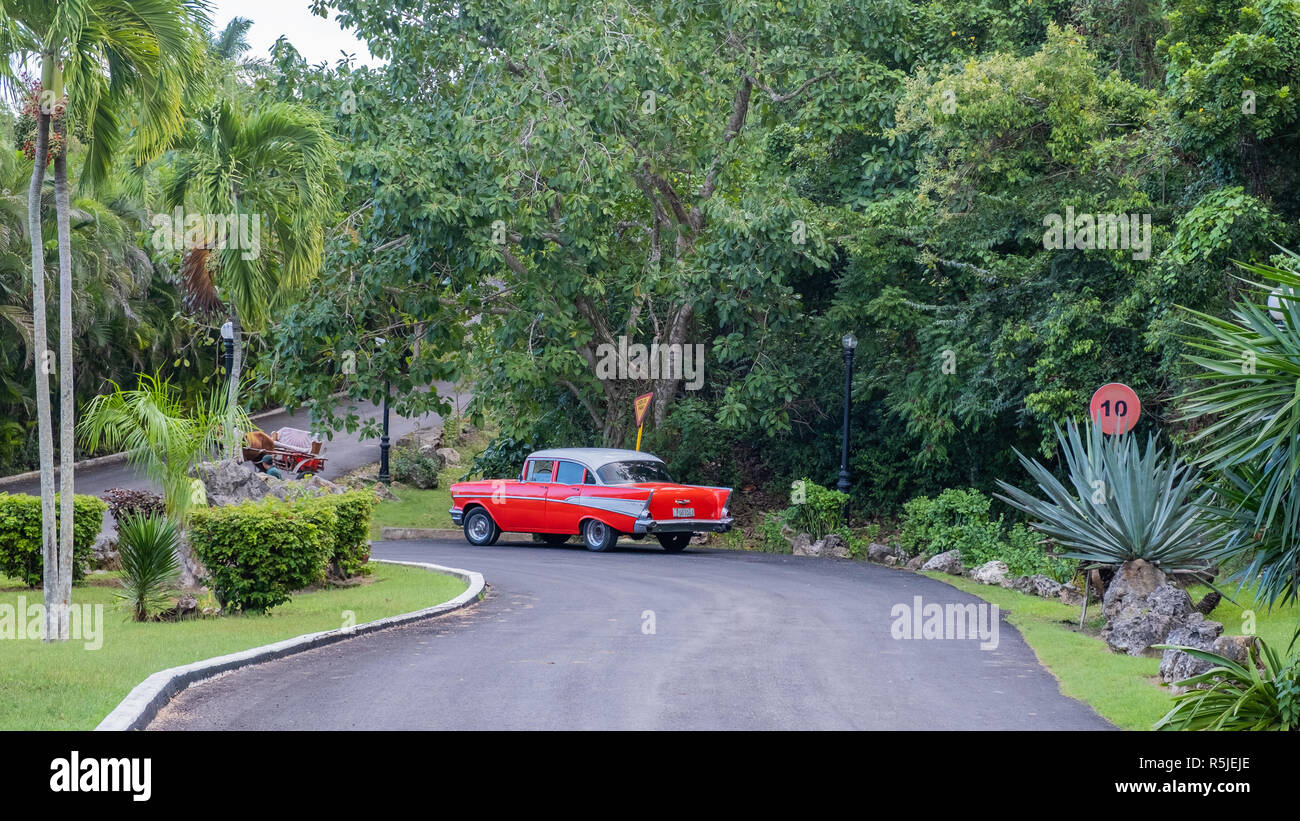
1115, 407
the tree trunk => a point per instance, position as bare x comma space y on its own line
67, 399
232, 394
43, 363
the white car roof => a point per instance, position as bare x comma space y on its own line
596, 458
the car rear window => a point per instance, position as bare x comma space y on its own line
624, 473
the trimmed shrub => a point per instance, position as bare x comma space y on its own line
351, 533
411, 467
817, 510
257, 553
20, 535
123, 503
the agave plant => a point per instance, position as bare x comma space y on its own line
147, 545
1121, 504
1262, 694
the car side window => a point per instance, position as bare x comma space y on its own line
540, 470
589, 479
568, 473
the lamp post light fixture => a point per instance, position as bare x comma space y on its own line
1276, 306
849, 341
228, 337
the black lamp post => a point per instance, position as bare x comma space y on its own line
383, 441
850, 342
228, 337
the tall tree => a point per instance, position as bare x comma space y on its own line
103, 63
268, 176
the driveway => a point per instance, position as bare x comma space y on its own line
564, 641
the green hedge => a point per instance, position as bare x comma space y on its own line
258, 552
20, 535
352, 532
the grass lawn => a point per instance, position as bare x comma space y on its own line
428, 508
1123, 689
68, 687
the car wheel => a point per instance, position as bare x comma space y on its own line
554, 539
480, 530
674, 542
598, 536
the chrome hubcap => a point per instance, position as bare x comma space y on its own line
595, 533
479, 528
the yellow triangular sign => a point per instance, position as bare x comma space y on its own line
642, 403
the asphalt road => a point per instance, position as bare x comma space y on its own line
740, 641
343, 454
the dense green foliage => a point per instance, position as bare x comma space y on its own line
959, 520
20, 535
256, 554
353, 511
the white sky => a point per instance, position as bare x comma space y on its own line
315, 38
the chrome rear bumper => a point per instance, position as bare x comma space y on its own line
682, 525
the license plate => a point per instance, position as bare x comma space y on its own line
683, 512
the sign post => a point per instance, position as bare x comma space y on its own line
1115, 407
642, 403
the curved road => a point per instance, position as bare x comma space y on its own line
740, 641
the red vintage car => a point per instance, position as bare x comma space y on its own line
598, 493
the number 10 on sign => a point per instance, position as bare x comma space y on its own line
1115, 407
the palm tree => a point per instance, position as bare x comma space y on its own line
101, 62
275, 171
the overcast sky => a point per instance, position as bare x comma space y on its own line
315, 38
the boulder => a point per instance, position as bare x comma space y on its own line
803, 545
421, 438
321, 487
994, 572
947, 562
186, 605
892, 561
105, 552
880, 553
1071, 595
1135, 580
1236, 648
832, 546
916, 562
449, 456
1037, 585
1146, 622
230, 482
1196, 632
384, 493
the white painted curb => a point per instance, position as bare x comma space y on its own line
142, 704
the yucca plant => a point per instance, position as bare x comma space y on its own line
147, 545
1250, 369
1121, 504
1262, 694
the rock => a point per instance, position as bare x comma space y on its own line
1071, 595
1236, 648
449, 456
994, 572
186, 605
421, 438
892, 561
1037, 585
916, 562
948, 562
384, 493
230, 482
105, 552
803, 545
322, 487
1175, 665
881, 553
700, 538
1143, 623
833, 547
1134, 580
